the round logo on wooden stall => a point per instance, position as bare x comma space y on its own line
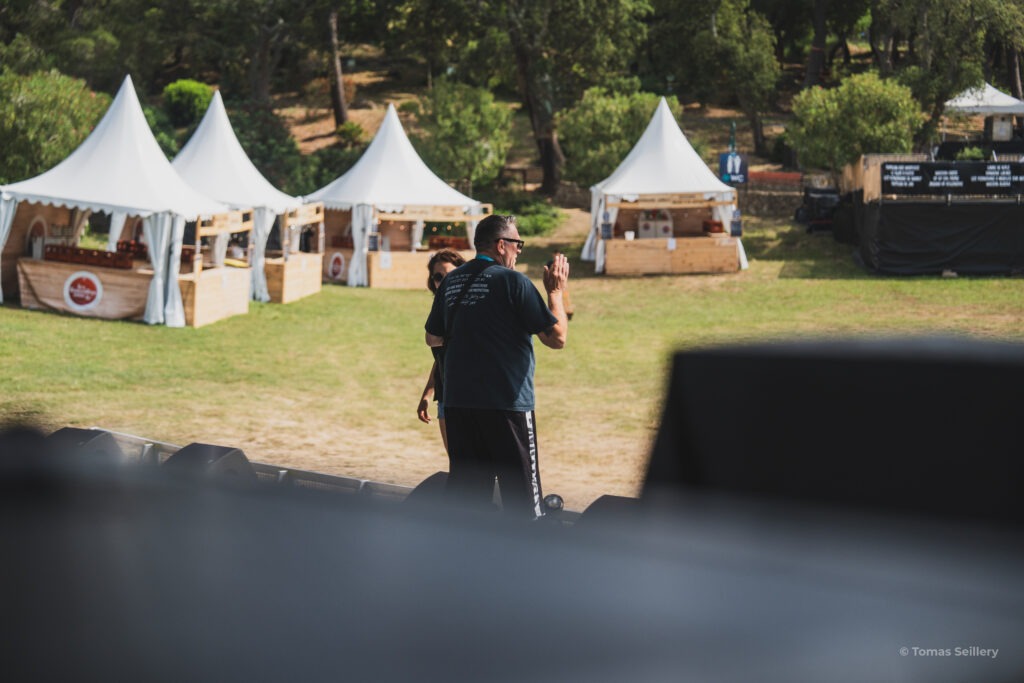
82, 291
336, 269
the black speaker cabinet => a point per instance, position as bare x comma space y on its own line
210, 461
430, 489
85, 443
609, 510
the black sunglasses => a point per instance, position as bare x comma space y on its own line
437, 277
519, 243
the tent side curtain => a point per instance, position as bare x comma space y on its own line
362, 219
8, 207
263, 222
174, 309
117, 219
157, 230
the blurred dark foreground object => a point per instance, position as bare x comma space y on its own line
130, 572
921, 426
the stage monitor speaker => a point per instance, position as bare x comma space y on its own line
609, 510
923, 426
211, 461
429, 490
98, 445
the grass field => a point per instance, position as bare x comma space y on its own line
330, 383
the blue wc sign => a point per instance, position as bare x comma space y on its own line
732, 168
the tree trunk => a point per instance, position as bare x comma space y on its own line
1013, 62
539, 105
259, 73
816, 59
337, 80
757, 129
928, 130
264, 57
881, 49
841, 46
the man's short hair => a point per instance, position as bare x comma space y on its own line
491, 228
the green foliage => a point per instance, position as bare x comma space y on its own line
597, 133
22, 56
728, 55
744, 50
270, 145
350, 134
162, 129
864, 115
467, 134
952, 46
326, 164
186, 101
971, 154
43, 118
535, 217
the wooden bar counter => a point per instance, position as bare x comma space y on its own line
401, 269
298, 276
214, 294
658, 256
79, 289
120, 294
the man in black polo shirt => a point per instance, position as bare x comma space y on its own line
485, 314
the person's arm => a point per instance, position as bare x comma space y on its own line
428, 393
556, 276
435, 322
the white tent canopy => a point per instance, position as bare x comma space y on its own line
388, 177
662, 162
120, 169
213, 160
985, 100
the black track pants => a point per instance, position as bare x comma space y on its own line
484, 444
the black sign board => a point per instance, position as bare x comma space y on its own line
948, 177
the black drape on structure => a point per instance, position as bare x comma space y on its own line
917, 238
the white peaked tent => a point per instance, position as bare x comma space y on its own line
661, 163
214, 161
985, 100
120, 169
389, 177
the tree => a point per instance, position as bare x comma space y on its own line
559, 49
744, 48
433, 31
43, 118
864, 115
468, 134
601, 129
791, 22
270, 145
944, 46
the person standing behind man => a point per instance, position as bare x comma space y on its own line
487, 313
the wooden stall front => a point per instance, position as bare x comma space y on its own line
337, 245
50, 272
212, 289
393, 261
669, 234
294, 272
402, 269
82, 289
